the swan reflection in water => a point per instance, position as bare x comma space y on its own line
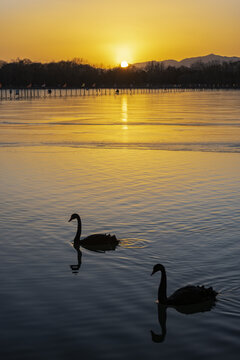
186, 300
184, 309
101, 248
96, 242
75, 268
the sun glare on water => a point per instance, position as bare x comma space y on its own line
124, 64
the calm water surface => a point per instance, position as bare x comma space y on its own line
119, 162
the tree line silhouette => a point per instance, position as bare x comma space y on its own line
22, 73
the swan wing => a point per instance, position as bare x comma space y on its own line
191, 295
100, 242
97, 238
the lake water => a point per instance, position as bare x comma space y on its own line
161, 171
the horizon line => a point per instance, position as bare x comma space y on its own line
84, 61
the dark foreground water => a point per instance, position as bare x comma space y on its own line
179, 208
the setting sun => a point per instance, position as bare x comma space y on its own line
124, 64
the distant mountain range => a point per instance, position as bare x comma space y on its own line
189, 61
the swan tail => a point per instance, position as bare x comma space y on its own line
208, 292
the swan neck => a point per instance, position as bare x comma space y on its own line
162, 291
79, 229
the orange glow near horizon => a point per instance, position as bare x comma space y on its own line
136, 31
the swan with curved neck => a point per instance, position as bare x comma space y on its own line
187, 295
105, 241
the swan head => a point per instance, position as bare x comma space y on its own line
74, 216
158, 267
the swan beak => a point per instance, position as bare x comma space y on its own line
153, 272
70, 220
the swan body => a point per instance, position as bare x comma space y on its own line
187, 295
95, 239
102, 242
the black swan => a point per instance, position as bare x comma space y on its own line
95, 242
187, 295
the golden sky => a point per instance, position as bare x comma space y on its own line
107, 31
